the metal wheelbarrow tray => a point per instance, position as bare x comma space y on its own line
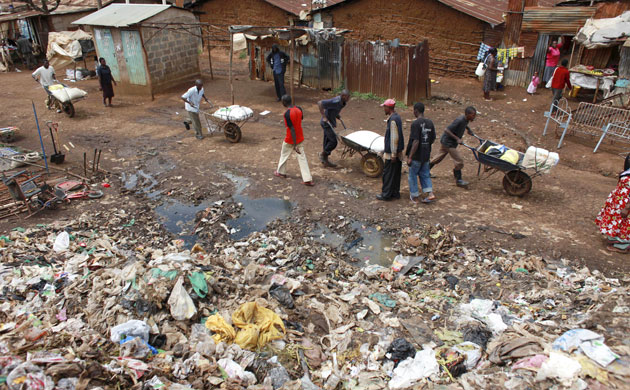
516, 181
371, 163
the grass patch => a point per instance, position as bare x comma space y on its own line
365, 96
242, 55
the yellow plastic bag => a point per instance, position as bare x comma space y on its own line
258, 325
510, 156
222, 330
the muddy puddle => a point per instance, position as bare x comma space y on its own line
371, 247
179, 217
256, 214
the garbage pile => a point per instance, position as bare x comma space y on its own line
108, 301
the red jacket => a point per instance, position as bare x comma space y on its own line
293, 118
560, 78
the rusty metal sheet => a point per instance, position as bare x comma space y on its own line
529, 40
296, 6
597, 57
419, 83
558, 20
400, 72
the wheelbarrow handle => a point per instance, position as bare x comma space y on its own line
481, 140
343, 124
469, 147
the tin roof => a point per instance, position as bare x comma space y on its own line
559, 20
296, 6
122, 15
489, 11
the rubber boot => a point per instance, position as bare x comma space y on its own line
324, 159
458, 178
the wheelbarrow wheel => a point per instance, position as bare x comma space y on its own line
232, 132
517, 183
68, 109
372, 165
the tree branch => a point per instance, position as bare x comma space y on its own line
45, 7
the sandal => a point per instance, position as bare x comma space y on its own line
278, 174
427, 200
308, 183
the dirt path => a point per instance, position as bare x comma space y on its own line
556, 217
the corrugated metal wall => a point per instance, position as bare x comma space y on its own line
318, 64
558, 20
537, 63
597, 57
385, 71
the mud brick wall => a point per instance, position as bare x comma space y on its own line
453, 36
224, 13
172, 56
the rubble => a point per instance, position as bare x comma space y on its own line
101, 302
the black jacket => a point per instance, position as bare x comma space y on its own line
284, 59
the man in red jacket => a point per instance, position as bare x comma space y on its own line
293, 142
560, 79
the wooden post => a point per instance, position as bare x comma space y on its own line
210, 60
291, 66
231, 55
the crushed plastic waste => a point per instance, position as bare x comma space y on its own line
122, 305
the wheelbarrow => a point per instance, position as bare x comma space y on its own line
369, 145
516, 181
228, 120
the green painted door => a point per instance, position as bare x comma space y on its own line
132, 48
106, 49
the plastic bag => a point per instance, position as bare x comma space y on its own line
282, 295
132, 328
481, 69
62, 242
401, 349
591, 343
135, 347
198, 281
411, 370
258, 325
182, 306
560, 367
28, 376
222, 330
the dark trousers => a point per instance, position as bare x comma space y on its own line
391, 179
330, 139
278, 81
557, 95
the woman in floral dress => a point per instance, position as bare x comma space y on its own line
613, 219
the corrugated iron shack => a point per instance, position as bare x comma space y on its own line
144, 51
533, 26
318, 55
323, 59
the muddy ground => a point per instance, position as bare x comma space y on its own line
556, 217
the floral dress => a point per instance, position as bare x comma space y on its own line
609, 220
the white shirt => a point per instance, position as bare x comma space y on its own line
45, 75
194, 96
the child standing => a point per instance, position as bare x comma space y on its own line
534, 84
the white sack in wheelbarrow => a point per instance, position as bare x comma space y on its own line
233, 113
67, 94
368, 139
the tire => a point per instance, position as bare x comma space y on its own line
232, 132
372, 165
517, 183
68, 108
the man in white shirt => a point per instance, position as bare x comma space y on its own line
192, 98
45, 75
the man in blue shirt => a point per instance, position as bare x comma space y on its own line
278, 61
331, 110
